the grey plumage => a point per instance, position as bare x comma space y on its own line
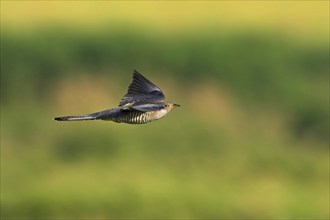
143, 103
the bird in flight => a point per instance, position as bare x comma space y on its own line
143, 103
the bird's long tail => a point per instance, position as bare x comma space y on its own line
102, 115
76, 118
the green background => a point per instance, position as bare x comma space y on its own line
250, 140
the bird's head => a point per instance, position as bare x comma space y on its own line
170, 106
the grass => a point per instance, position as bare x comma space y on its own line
187, 165
303, 18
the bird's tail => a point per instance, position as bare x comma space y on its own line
76, 118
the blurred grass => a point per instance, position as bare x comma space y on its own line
250, 141
306, 19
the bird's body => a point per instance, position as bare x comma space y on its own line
119, 115
143, 103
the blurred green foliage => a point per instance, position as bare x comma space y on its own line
196, 163
262, 67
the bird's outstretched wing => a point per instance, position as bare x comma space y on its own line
141, 90
147, 107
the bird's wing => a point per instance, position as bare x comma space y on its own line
148, 107
141, 90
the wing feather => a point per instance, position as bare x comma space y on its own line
148, 107
141, 90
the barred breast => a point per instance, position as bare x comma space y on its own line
133, 117
138, 117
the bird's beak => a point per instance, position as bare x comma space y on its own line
176, 105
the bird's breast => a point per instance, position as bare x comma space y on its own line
159, 114
138, 117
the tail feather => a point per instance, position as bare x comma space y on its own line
75, 118
102, 115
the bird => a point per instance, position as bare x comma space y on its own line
144, 102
